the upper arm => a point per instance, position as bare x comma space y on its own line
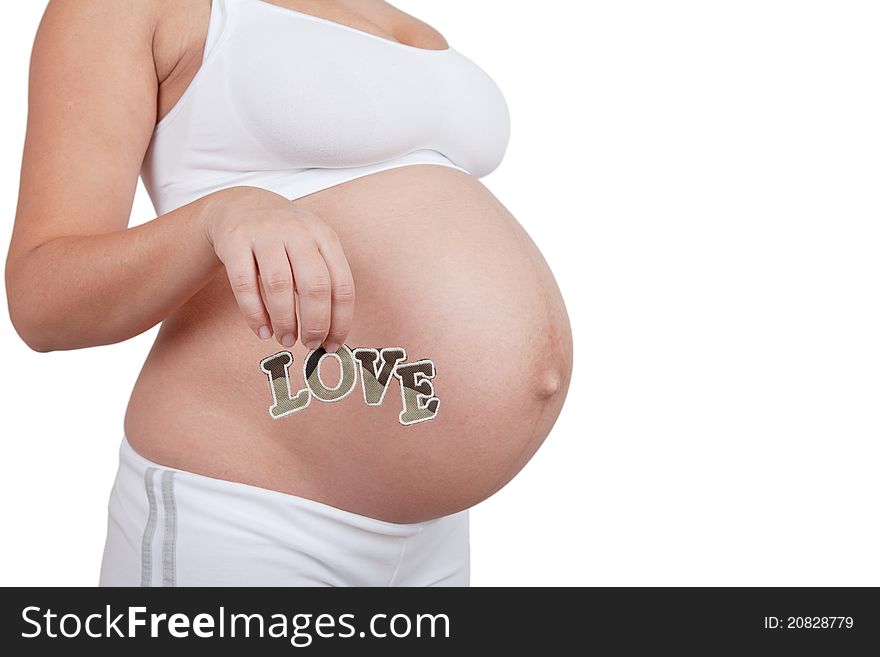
91, 112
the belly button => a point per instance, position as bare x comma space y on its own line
549, 384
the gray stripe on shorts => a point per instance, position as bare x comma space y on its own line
149, 531
169, 540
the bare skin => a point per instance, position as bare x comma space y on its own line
479, 300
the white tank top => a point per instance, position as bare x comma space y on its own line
294, 103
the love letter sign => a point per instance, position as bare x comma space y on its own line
376, 371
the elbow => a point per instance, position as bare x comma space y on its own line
43, 320
43, 332
39, 347
30, 327
39, 326
30, 331
44, 337
35, 343
27, 310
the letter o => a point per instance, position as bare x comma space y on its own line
77, 624
312, 374
393, 622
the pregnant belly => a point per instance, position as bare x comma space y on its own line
441, 270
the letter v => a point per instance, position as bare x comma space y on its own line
375, 380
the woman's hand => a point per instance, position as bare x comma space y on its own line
272, 248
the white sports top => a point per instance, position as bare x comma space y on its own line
294, 103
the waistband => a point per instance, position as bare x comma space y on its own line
133, 464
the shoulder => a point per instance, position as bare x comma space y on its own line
137, 16
163, 27
76, 37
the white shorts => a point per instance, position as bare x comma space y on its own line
170, 527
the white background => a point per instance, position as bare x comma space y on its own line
702, 178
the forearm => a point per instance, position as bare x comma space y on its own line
80, 291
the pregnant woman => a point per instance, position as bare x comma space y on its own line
358, 341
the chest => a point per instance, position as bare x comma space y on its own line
182, 31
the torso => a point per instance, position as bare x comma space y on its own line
477, 298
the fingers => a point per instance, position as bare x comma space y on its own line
241, 269
277, 283
342, 291
282, 257
313, 288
